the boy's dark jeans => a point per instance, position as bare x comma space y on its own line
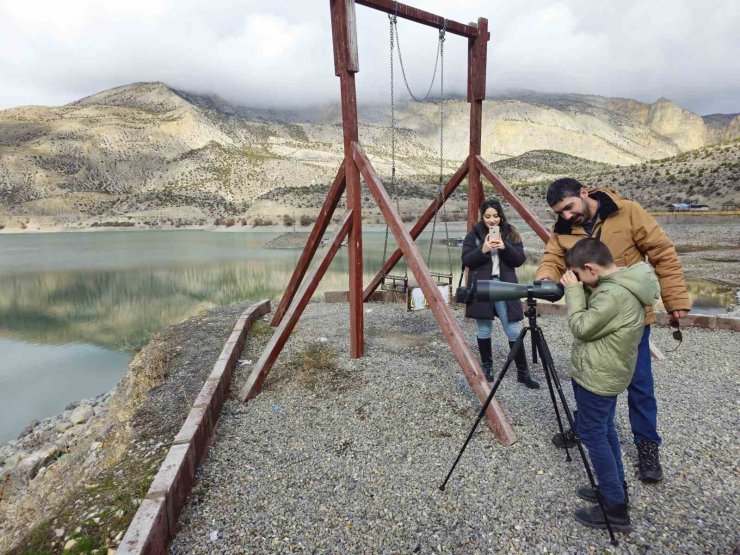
595, 427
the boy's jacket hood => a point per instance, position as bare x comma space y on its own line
639, 279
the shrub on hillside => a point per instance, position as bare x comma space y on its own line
288, 220
305, 220
260, 221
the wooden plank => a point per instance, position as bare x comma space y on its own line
514, 200
312, 244
283, 331
449, 327
353, 60
354, 200
477, 55
418, 227
420, 16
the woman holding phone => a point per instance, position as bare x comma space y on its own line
491, 251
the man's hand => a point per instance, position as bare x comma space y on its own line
569, 278
676, 315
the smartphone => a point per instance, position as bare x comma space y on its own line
494, 233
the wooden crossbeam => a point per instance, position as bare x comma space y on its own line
419, 226
451, 331
514, 200
420, 16
312, 244
293, 313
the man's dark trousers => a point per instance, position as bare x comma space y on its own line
643, 408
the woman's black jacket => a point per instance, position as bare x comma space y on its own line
479, 267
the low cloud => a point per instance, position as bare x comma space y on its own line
279, 53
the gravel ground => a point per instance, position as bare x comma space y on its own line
349, 460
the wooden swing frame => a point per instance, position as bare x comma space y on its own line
356, 163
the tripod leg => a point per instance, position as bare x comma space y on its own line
549, 367
538, 338
518, 345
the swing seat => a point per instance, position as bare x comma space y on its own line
415, 299
395, 283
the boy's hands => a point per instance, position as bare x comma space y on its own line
569, 278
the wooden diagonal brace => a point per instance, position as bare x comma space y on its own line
312, 244
419, 226
279, 338
495, 416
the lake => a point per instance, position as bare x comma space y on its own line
75, 306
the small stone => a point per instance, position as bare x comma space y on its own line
59, 532
70, 544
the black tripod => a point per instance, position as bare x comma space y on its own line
539, 345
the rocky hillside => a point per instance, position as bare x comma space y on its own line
149, 154
709, 175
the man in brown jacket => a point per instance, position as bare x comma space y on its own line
631, 235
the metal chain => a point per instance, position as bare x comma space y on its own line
394, 30
394, 191
440, 192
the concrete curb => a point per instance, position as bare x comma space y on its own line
155, 523
690, 321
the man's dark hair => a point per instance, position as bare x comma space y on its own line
588, 251
561, 188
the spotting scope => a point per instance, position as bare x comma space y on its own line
494, 290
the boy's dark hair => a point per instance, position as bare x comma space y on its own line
561, 188
588, 251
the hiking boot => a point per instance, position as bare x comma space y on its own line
649, 462
484, 347
566, 439
522, 369
593, 517
587, 494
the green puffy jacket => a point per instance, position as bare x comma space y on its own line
608, 326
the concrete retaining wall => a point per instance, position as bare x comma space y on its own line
155, 523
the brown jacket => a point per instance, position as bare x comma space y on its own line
631, 234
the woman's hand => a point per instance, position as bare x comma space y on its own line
488, 244
498, 244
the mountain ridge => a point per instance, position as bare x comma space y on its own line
155, 153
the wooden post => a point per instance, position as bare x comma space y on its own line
495, 416
346, 65
477, 54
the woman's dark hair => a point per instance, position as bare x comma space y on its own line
508, 231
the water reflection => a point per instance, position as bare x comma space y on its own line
121, 307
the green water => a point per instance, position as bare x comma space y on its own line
74, 306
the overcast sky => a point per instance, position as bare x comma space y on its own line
278, 53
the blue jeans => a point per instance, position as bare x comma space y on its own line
595, 427
643, 407
511, 329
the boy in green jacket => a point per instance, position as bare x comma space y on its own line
607, 325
